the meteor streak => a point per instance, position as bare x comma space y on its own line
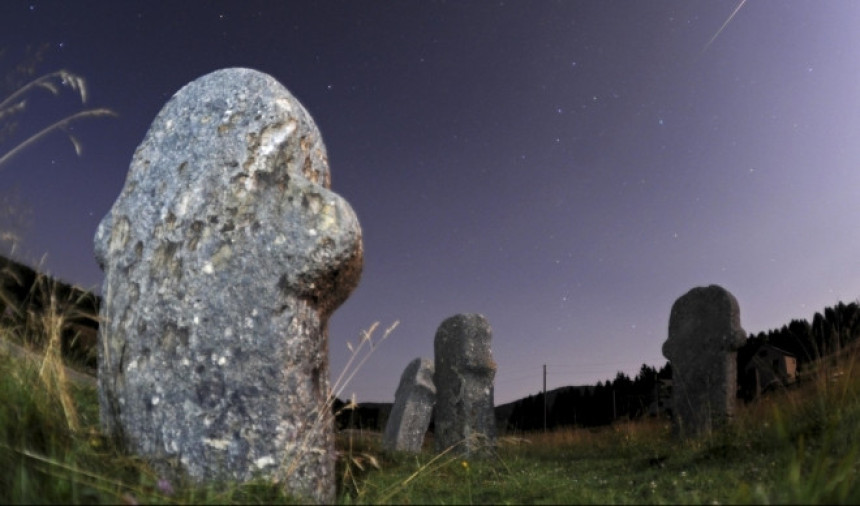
728, 20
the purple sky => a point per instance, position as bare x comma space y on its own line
568, 169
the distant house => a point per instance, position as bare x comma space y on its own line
770, 367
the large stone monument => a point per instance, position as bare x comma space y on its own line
465, 370
704, 336
224, 256
413, 408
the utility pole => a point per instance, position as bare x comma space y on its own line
614, 415
544, 397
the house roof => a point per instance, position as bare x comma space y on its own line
780, 350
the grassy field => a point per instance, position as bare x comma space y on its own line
799, 445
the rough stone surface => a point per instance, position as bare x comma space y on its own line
224, 256
464, 384
704, 336
413, 408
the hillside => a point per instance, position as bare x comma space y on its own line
830, 331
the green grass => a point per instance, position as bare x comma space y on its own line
800, 445
796, 446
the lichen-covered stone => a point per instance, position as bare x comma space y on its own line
464, 376
704, 336
413, 408
224, 256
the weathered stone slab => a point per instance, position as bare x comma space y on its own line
224, 256
704, 336
464, 376
413, 408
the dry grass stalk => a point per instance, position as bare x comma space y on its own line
16, 103
45, 316
7, 300
324, 415
443, 459
50, 324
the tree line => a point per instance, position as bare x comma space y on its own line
626, 398
829, 332
590, 406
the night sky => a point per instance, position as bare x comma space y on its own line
568, 169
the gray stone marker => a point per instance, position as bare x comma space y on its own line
413, 408
704, 336
464, 384
224, 256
